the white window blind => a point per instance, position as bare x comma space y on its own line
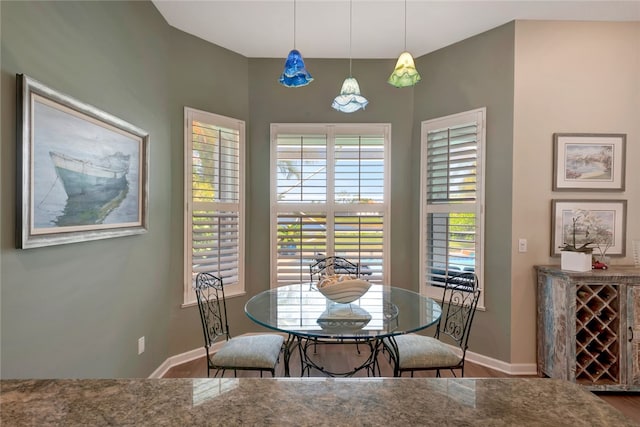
359, 169
300, 237
361, 234
214, 191
302, 168
451, 198
329, 197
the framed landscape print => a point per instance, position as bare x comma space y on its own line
82, 173
577, 222
588, 162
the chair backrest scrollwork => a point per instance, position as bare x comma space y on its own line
461, 294
213, 308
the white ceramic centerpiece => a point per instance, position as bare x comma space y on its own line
342, 288
575, 261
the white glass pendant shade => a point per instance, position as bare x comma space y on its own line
405, 73
349, 99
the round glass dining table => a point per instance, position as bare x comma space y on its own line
308, 317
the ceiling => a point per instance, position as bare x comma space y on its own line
265, 29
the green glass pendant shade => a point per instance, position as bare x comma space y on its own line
349, 99
405, 73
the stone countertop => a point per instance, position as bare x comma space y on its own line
304, 402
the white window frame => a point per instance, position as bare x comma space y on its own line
330, 207
191, 114
479, 116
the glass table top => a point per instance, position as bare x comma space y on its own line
382, 311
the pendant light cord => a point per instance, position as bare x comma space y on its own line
350, 25
294, 24
405, 25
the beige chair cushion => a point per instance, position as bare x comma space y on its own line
418, 351
251, 351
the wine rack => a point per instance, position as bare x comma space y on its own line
588, 327
597, 326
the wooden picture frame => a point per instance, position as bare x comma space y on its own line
600, 221
82, 174
589, 161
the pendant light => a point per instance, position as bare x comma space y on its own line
295, 74
405, 73
349, 99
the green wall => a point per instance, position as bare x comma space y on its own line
273, 103
474, 73
208, 78
77, 310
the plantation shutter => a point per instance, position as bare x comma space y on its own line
302, 167
360, 238
329, 198
301, 237
215, 191
450, 195
452, 157
359, 169
359, 185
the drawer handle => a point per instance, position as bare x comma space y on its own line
630, 334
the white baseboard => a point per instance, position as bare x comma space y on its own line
176, 360
499, 365
479, 359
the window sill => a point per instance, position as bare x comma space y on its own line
228, 294
436, 294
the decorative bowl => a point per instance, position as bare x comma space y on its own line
348, 317
343, 290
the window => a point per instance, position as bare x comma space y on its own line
451, 194
329, 197
214, 199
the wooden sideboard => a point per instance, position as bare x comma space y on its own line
588, 328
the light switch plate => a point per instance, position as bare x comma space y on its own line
522, 245
140, 345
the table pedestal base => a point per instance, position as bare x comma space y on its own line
309, 359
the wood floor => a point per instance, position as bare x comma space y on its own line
335, 356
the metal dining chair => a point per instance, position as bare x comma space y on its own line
413, 352
250, 353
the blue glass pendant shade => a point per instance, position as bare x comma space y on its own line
405, 73
349, 99
295, 74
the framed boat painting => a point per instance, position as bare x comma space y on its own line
82, 174
588, 161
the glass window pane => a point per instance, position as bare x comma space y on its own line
450, 245
302, 168
331, 225
359, 169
